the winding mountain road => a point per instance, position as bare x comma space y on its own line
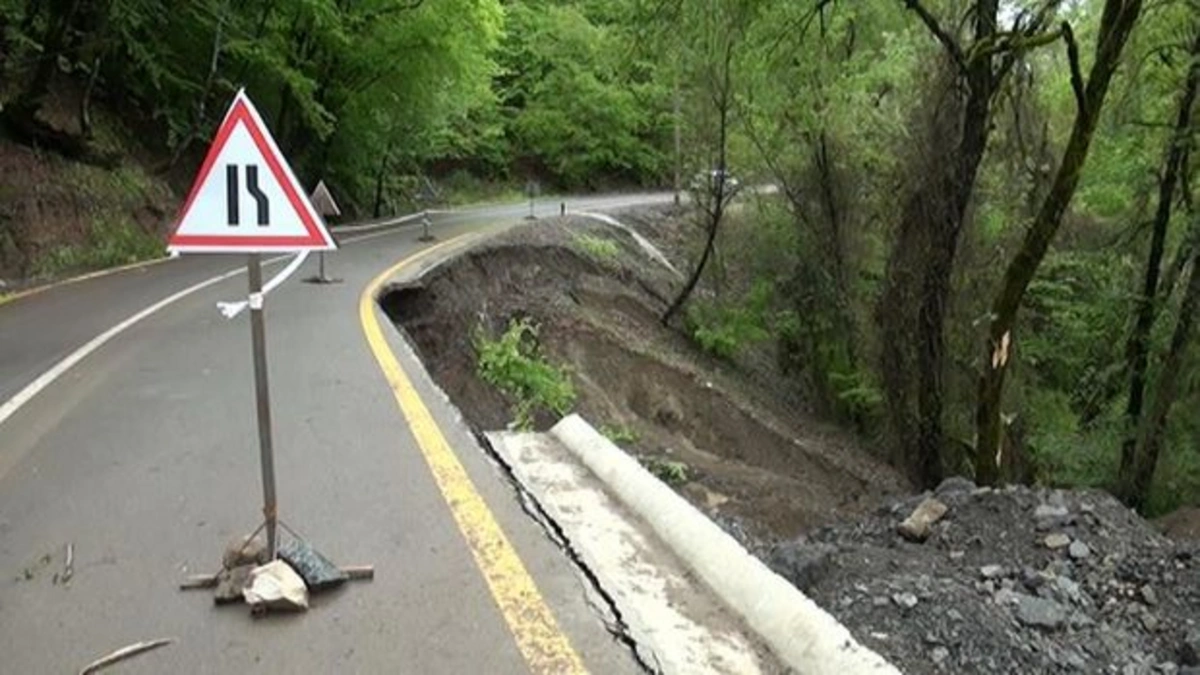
141, 451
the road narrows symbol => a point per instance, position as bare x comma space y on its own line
231, 193
262, 204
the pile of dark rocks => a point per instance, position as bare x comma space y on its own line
1010, 580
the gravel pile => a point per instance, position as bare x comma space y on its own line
1015, 580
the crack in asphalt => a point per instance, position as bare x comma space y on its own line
606, 606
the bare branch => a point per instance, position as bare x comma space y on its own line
1076, 72
956, 53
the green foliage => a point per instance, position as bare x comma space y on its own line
513, 364
619, 434
723, 329
669, 471
599, 248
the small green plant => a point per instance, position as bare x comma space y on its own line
619, 434
669, 471
514, 364
601, 249
5, 297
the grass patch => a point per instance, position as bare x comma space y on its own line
514, 364
619, 434
6, 297
600, 249
110, 243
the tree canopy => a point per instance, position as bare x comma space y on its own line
982, 253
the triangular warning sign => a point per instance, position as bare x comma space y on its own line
246, 198
323, 202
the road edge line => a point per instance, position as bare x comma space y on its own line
540, 640
800, 632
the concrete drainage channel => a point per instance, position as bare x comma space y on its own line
799, 633
641, 547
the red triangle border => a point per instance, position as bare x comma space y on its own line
241, 114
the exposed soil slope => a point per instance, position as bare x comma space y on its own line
764, 470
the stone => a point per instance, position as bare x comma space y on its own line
1080, 620
1040, 612
991, 571
957, 555
1078, 550
317, 571
1149, 622
954, 485
1148, 595
1005, 596
954, 615
1056, 541
1049, 516
1047, 511
1189, 651
245, 551
938, 655
231, 583
880, 601
1068, 590
916, 526
276, 586
905, 600
803, 563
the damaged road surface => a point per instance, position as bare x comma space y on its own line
143, 457
674, 623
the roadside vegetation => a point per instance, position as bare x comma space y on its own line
512, 362
978, 250
602, 250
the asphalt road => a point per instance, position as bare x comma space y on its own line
144, 457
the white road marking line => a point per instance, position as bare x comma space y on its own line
10, 407
56, 371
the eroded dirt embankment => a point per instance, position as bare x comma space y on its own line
764, 471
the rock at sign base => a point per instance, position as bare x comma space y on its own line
916, 526
276, 586
318, 573
231, 583
245, 551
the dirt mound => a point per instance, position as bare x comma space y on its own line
760, 468
1009, 581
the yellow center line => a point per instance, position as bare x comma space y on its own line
545, 648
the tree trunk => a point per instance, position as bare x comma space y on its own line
85, 101
1135, 484
1138, 347
1115, 26
383, 162
919, 273
723, 101
59, 20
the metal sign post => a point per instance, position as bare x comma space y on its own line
258, 343
531, 188
324, 203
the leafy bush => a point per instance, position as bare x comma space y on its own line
723, 330
513, 364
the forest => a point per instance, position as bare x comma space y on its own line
980, 253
